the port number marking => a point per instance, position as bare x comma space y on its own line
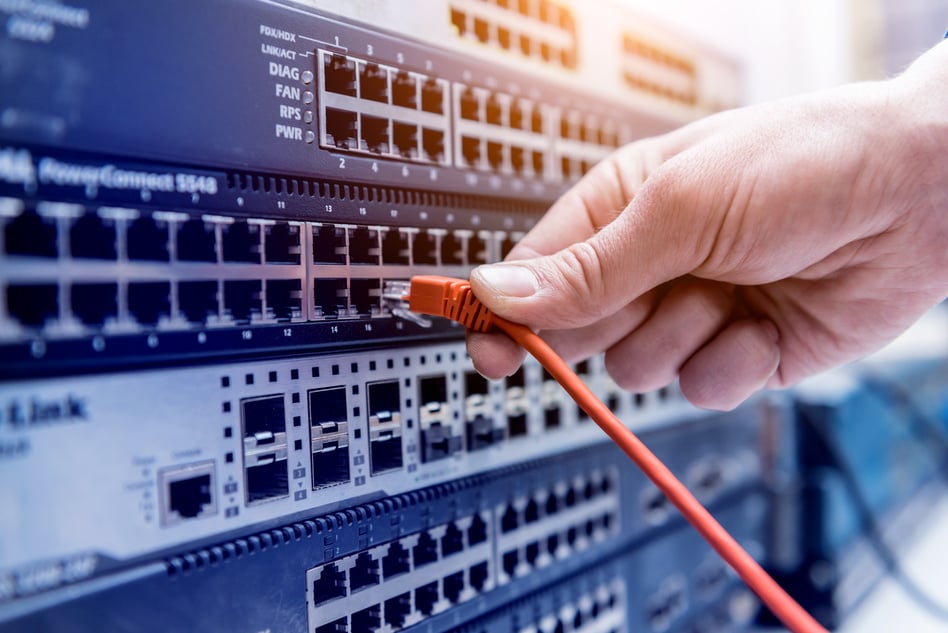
342, 163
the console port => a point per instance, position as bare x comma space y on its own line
425, 598
385, 426
404, 90
242, 300
33, 305
451, 250
329, 436
397, 610
31, 234
187, 492
476, 250
282, 243
341, 129
516, 115
147, 239
432, 96
453, 540
537, 161
364, 572
510, 561
477, 531
368, 619
437, 440
509, 520
395, 562
363, 246
432, 142
339, 74
93, 304
93, 237
329, 584
493, 110
365, 297
495, 155
405, 139
197, 300
517, 405
471, 150
375, 135
284, 299
329, 298
424, 248
470, 105
329, 244
395, 247
196, 242
425, 551
149, 302
517, 161
477, 576
373, 83
265, 448
452, 586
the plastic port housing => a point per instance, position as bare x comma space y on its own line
282, 243
284, 299
149, 302
363, 246
469, 106
330, 584
242, 300
93, 237
197, 300
329, 298
432, 144
33, 305
187, 492
365, 572
425, 248
471, 150
329, 244
94, 304
451, 250
365, 297
147, 239
31, 234
373, 82
385, 426
395, 247
341, 128
263, 421
196, 241
405, 140
375, 135
432, 96
404, 90
339, 74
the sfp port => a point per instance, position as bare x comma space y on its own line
470, 105
363, 245
242, 300
385, 426
451, 249
329, 436
395, 247
517, 405
284, 299
437, 438
365, 297
424, 248
341, 128
432, 142
373, 83
375, 135
196, 242
330, 298
94, 304
241, 242
405, 139
93, 237
149, 302
432, 96
147, 239
263, 421
197, 300
31, 234
471, 150
404, 90
32, 305
187, 492
339, 74
329, 244
282, 243
479, 425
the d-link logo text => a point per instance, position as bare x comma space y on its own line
36, 412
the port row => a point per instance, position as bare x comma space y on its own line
652, 69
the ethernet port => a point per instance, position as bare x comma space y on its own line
424, 248
385, 426
432, 142
365, 297
341, 128
453, 540
471, 150
494, 110
242, 300
241, 242
363, 246
404, 90
397, 610
284, 299
531, 553
531, 513
187, 492
147, 239
339, 74
503, 37
364, 572
375, 137
452, 586
517, 160
93, 237
373, 83
330, 585
476, 250
282, 243
451, 250
329, 297
495, 155
507, 245
329, 244
536, 121
149, 302
477, 531
329, 436
470, 105
459, 20
93, 304
477, 576
336, 626
368, 619
516, 115
395, 562
509, 561
509, 520
197, 300
405, 139
265, 448
516, 405
425, 551
31, 234
566, 167
33, 305
538, 163
196, 242
432, 96
425, 598
481, 29
395, 247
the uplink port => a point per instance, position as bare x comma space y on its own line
329, 436
368, 619
395, 562
329, 297
405, 139
395, 247
517, 405
432, 142
187, 492
425, 551
148, 302
31, 234
477, 576
424, 248
495, 155
471, 150
265, 448
453, 540
147, 239
341, 128
365, 297
363, 245
385, 426
284, 299
196, 242
339, 74
404, 90
93, 304
470, 105
375, 135
425, 598
33, 305
452, 586
373, 83
364, 573
432, 96
242, 300
477, 531
197, 300
397, 610
94, 237
282, 243
329, 585
329, 244
451, 250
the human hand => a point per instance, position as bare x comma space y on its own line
750, 249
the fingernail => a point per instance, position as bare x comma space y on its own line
508, 279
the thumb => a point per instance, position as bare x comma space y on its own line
654, 240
